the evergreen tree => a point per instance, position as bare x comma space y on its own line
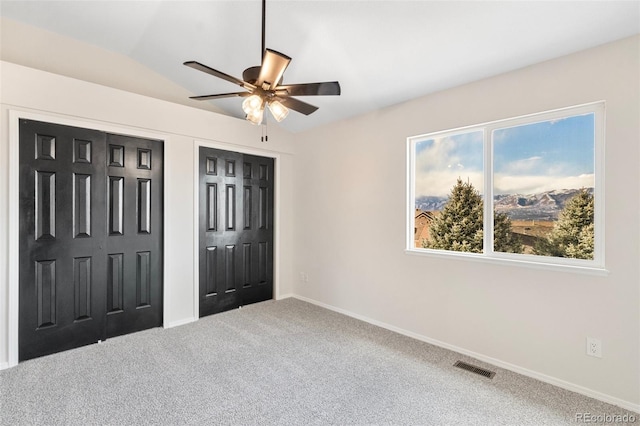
504, 240
584, 248
572, 235
459, 226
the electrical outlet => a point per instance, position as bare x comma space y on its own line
304, 278
594, 347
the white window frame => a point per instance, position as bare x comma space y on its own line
595, 266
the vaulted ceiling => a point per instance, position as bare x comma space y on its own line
382, 52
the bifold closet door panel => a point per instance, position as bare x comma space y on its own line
134, 234
62, 238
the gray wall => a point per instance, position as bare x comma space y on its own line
350, 198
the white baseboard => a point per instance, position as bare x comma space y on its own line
284, 296
179, 322
493, 361
4, 365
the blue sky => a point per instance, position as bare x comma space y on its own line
556, 154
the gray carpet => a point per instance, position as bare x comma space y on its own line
286, 362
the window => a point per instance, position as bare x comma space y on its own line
525, 189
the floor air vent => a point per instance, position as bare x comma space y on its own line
474, 369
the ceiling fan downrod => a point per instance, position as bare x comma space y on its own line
264, 20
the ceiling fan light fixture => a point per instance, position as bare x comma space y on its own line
255, 116
251, 104
278, 110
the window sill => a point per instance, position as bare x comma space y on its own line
483, 258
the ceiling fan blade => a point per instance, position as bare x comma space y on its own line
273, 66
200, 67
297, 105
327, 88
219, 96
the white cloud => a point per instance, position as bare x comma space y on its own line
438, 155
439, 165
523, 165
534, 184
440, 183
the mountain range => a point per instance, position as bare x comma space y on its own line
540, 206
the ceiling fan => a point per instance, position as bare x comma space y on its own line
264, 88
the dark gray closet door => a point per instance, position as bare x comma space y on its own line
62, 238
133, 250
236, 229
90, 213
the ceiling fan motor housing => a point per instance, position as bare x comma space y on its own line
250, 75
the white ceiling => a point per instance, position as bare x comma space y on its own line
382, 52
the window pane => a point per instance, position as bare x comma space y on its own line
543, 186
448, 182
